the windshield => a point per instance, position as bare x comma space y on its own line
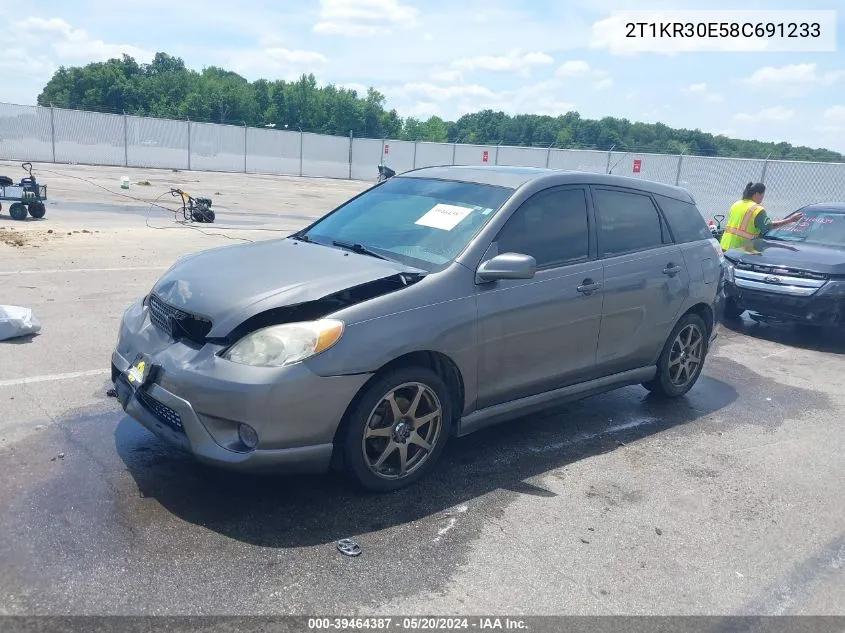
421, 222
819, 226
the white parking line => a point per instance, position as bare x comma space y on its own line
79, 270
52, 377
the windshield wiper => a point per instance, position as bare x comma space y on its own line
300, 237
359, 248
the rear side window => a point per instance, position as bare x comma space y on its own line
684, 219
629, 222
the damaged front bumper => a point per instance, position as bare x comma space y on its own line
197, 401
824, 306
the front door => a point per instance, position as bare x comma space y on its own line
645, 279
538, 334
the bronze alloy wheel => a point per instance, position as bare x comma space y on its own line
402, 431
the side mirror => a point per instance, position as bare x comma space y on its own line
506, 266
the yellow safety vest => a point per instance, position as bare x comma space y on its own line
740, 227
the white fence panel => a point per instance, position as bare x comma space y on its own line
217, 147
89, 137
272, 152
325, 156
790, 185
590, 161
399, 155
25, 134
657, 167
156, 143
434, 154
716, 183
366, 154
475, 154
521, 156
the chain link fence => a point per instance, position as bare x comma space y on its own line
55, 135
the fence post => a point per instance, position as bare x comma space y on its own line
609, 156
189, 145
678, 172
125, 140
301, 149
496, 160
245, 151
454, 149
765, 166
415, 156
53, 130
350, 154
548, 155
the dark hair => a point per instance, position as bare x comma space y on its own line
753, 188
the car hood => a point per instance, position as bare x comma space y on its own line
230, 284
809, 257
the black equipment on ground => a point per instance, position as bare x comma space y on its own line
385, 172
195, 209
27, 196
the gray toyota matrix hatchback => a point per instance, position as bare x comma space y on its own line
431, 305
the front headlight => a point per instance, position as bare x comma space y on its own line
280, 345
729, 271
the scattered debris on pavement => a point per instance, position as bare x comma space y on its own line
348, 547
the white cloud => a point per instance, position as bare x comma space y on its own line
576, 68
446, 76
792, 80
275, 63
834, 121
701, 91
514, 61
364, 18
580, 69
776, 114
72, 45
433, 92
422, 110
835, 114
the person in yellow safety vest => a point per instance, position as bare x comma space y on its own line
747, 218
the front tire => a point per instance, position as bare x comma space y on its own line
397, 430
682, 359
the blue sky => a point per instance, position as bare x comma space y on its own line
448, 58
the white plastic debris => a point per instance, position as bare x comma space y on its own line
16, 321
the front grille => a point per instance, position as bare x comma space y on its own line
162, 412
177, 323
780, 270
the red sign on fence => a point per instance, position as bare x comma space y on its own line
485, 156
637, 164
386, 149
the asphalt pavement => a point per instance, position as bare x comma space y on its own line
726, 502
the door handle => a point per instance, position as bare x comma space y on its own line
588, 286
671, 269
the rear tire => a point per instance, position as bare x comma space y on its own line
377, 431
682, 359
37, 210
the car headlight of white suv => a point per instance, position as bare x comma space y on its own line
286, 344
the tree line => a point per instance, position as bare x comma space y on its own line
165, 88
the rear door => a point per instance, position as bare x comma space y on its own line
645, 278
538, 334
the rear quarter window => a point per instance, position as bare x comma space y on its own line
685, 220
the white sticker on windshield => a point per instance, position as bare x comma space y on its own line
444, 216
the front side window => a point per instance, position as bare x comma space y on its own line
629, 222
552, 226
424, 223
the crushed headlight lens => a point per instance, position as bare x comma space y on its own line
280, 345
